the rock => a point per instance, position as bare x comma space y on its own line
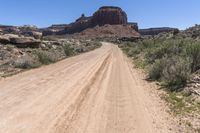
43, 46
105, 15
17, 52
121, 32
24, 42
80, 25
53, 30
35, 34
54, 46
109, 15
156, 31
4, 39
20, 41
1, 31
28, 31
193, 32
9, 29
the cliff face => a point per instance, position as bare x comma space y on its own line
109, 15
29, 31
156, 31
105, 15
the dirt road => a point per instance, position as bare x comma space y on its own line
96, 92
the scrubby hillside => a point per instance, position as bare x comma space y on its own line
173, 61
19, 52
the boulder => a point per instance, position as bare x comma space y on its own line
35, 34
20, 41
29, 31
4, 40
24, 42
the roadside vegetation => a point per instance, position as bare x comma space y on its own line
172, 62
17, 60
169, 61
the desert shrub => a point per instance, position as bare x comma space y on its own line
96, 44
45, 57
131, 52
25, 63
193, 50
173, 72
170, 60
176, 72
68, 50
154, 54
155, 72
168, 47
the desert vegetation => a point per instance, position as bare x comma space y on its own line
173, 62
15, 60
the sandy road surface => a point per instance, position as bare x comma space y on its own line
91, 93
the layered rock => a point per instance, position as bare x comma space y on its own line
108, 31
5, 29
20, 41
105, 15
28, 31
53, 30
193, 32
81, 24
156, 31
109, 15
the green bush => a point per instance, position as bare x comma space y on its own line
155, 72
193, 50
45, 58
68, 50
171, 60
25, 63
176, 72
173, 72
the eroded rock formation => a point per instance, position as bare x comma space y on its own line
156, 31
20, 41
105, 15
109, 15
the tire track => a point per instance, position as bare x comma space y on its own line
95, 92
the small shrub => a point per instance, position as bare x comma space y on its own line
154, 54
68, 50
25, 63
176, 72
45, 58
193, 50
139, 63
173, 72
156, 70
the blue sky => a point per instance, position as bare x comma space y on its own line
148, 13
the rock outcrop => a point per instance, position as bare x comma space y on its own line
109, 15
108, 31
156, 31
28, 31
105, 15
193, 32
5, 29
20, 41
53, 30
